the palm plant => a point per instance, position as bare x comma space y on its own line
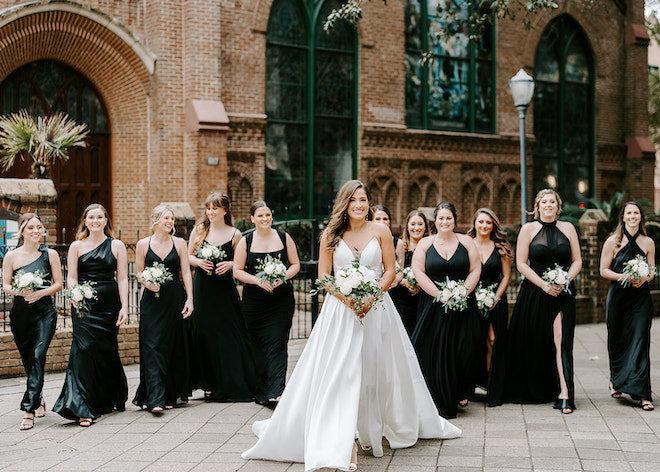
43, 141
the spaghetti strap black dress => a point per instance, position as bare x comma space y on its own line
95, 382
531, 368
164, 372
222, 358
33, 327
268, 316
629, 313
492, 377
406, 303
447, 343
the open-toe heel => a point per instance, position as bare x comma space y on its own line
41, 411
353, 465
27, 423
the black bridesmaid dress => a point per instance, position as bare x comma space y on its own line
33, 327
531, 368
629, 313
406, 303
492, 377
95, 382
447, 343
268, 317
222, 358
164, 372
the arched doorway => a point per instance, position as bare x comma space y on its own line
47, 87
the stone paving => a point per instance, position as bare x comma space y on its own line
602, 435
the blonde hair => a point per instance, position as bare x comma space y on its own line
22, 223
339, 217
157, 214
217, 199
496, 234
83, 231
542, 193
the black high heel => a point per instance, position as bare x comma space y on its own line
565, 407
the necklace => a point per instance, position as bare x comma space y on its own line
440, 241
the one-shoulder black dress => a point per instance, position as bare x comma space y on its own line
268, 317
492, 377
222, 357
164, 372
629, 314
531, 369
95, 382
406, 303
33, 327
447, 343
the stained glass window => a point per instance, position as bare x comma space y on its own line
455, 89
563, 112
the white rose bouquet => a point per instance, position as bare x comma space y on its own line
80, 294
157, 273
486, 298
409, 277
270, 269
558, 276
356, 282
453, 295
27, 280
209, 252
635, 269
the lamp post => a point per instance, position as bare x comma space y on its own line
522, 89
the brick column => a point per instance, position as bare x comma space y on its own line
593, 233
32, 196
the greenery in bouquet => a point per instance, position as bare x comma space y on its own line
209, 252
453, 295
157, 273
486, 298
81, 294
559, 277
23, 280
635, 269
271, 269
409, 277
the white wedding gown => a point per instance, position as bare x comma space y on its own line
351, 379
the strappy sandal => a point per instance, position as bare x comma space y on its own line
647, 406
157, 409
41, 411
85, 422
353, 464
27, 423
614, 393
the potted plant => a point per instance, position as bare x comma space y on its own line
43, 141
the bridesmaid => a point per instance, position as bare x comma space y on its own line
33, 315
164, 365
629, 309
496, 256
540, 343
95, 382
406, 296
268, 309
222, 358
447, 342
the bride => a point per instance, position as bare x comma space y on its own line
358, 374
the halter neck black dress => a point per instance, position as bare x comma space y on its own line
33, 327
447, 343
222, 358
629, 313
95, 382
493, 378
268, 317
164, 372
531, 369
406, 303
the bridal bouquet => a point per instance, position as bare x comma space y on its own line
557, 276
356, 282
453, 295
635, 269
27, 280
271, 269
157, 274
80, 294
486, 298
209, 252
409, 277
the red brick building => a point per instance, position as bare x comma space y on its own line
252, 97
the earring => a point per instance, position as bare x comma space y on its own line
345, 217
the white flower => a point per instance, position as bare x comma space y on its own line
156, 272
269, 268
345, 288
146, 275
207, 252
38, 281
644, 271
446, 294
552, 274
77, 294
87, 291
488, 301
26, 279
560, 279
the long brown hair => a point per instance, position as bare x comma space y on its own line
406, 233
216, 199
339, 217
496, 234
22, 223
83, 231
619, 228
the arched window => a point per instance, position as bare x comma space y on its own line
564, 112
311, 103
455, 89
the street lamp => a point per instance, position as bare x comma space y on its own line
522, 89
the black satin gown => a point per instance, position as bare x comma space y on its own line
492, 377
95, 382
447, 343
406, 303
164, 363
33, 327
268, 317
531, 368
629, 313
222, 357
